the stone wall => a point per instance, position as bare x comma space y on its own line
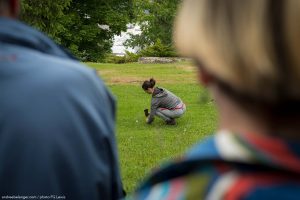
161, 60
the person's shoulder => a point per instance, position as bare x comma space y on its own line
193, 168
193, 184
206, 149
181, 179
60, 76
161, 89
55, 70
159, 92
66, 67
190, 176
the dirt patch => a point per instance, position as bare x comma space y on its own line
116, 77
105, 72
122, 80
187, 68
125, 80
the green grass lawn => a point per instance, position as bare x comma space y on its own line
141, 146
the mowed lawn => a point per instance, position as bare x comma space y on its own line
143, 147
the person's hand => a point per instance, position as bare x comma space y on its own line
146, 111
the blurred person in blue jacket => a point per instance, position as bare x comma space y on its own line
56, 119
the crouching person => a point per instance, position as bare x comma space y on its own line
164, 103
248, 57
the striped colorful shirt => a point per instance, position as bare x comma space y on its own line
229, 166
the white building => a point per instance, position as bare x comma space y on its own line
118, 48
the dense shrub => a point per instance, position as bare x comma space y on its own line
132, 57
127, 58
158, 49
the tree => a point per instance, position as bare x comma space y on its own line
85, 38
85, 27
156, 20
46, 15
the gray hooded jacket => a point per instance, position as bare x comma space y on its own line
162, 98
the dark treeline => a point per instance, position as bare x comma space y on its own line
87, 27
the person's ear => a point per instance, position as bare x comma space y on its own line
204, 77
150, 90
14, 8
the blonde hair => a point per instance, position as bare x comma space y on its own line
251, 45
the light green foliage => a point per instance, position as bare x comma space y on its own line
158, 50
127, 58
111, 58
132, 57
74, 23
143, 147
156, 20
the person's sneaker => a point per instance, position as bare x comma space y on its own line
171, 122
